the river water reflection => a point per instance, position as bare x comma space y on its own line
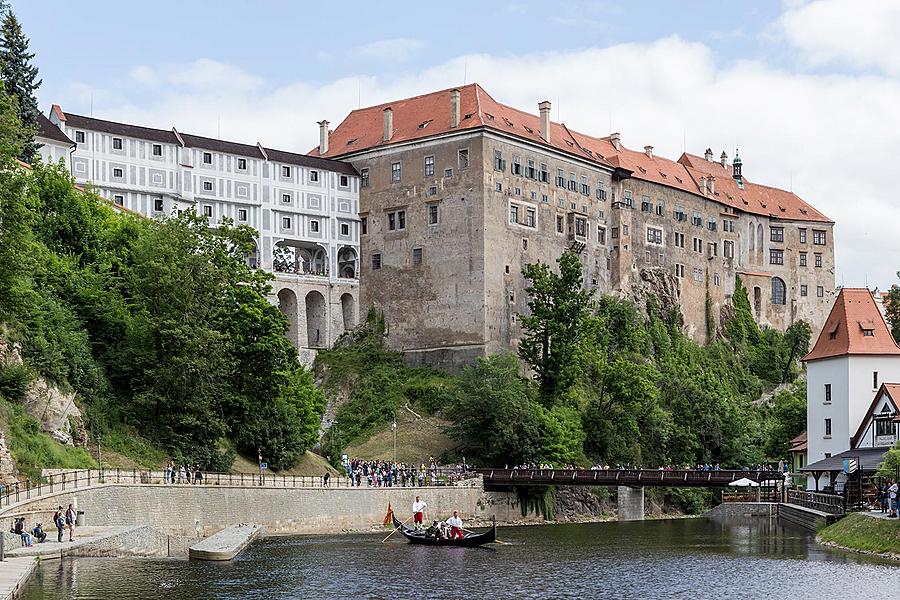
689, 558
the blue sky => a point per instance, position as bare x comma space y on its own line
807, 89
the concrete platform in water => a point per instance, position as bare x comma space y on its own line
226, 544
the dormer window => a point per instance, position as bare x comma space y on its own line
868, 333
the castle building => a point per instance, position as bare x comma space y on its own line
852, 389
459, 192
304, 208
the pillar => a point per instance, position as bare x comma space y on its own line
631, 503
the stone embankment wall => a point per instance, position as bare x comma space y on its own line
739, 510
194, 510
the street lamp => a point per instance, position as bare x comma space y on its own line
394, 431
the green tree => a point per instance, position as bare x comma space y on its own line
796, 345
890, 466
20, 77
494, 415
788, 420
892, 308
558, 324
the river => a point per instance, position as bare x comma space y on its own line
685, 558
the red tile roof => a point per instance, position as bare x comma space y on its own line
428, 115
798, 444
854, 312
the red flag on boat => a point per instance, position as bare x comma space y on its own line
389, 516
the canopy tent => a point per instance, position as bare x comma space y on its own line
744, 482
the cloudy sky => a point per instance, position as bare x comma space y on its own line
808, 91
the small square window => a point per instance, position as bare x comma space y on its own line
242, 164
285, 222
119, 200
448, 172
314, 226
157, 204
345, 181
207, 158
157, 149
286, 198
242, 214
207, 186
207, 210
416, 257
117, 143
79, 137
345, 229
376, 262
285, 171
117, 172
313, 176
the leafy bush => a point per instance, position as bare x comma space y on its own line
14, 381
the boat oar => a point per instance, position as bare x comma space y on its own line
396, 529
496, 541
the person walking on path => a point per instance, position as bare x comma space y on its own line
59, 520
418, 509
70, 522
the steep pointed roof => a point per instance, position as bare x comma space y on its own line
891, 391
854, 326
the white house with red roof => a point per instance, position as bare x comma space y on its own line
854, 359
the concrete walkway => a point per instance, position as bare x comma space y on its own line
876, 514
13, 574
226, 544
84, 536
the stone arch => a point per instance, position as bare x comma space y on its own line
779, 291
301, 258
348, 309
757, 301
252, 258
316, 329
347, 263
287, 303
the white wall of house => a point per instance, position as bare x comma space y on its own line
52, 151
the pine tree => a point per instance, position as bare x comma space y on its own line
19, 76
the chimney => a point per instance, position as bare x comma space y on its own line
323, 138
703, 184
614, 140
388, 125
723, 159
454, 108
708, 155
712, 183
648, 150
544, 108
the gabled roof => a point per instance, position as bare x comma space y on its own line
165, 136
428, 115
892, 392
798, 444
869, 459
845, 331
313, 162
47, 130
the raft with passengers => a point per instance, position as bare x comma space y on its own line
441, 533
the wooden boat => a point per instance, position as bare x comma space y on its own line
470, 540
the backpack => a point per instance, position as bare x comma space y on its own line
60, 522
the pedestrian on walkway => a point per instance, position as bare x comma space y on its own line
70, 522
60, 521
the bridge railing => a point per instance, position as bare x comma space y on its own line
832, 504
673, 477
62, 481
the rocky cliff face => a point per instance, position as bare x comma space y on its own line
56, 410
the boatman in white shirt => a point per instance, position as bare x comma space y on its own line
456, 526
418, 507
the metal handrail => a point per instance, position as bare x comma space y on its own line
82, 478
828, 503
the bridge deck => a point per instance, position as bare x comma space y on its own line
630, 477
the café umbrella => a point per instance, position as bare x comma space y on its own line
744, 482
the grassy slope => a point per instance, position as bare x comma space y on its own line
309, 464
860, 532
417, 439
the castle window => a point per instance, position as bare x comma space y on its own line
545, 173
416, 257
779, 291
803, 259
818, 237
818, 257
776, 234
776, 257
118, 172
516, 165
646, 206
285, 222
242, 164
513, 214
313, 176
462, 158
376, 262
157, 151
828, 393
207, 158
395, 171
285, 171
601, 235
344, 181
207, 210
560, 178
802, 235
827, 427
429, 166
820, 291
804, 290
530, 171
119, 200
601, 192
314, 226
117, 143
364, 177
285, 198
654, 235
79, 137
448, 173
363, 225
157, 204
499, 163
242, 214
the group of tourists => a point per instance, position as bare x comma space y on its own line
380, 473
62, 519
888, 498
183, 474
450, 529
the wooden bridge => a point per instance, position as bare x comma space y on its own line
502, 478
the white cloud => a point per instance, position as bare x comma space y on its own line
860, 34
833, 136
203, 75
395, 49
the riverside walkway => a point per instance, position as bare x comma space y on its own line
13, 574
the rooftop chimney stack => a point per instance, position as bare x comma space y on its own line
614, 139
454, 108
388, 125
703, 184
648, 150
544, 107
708, 155
712, 183
723, 159
323, 137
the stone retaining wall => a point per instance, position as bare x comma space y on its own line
203, 510
738, 510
